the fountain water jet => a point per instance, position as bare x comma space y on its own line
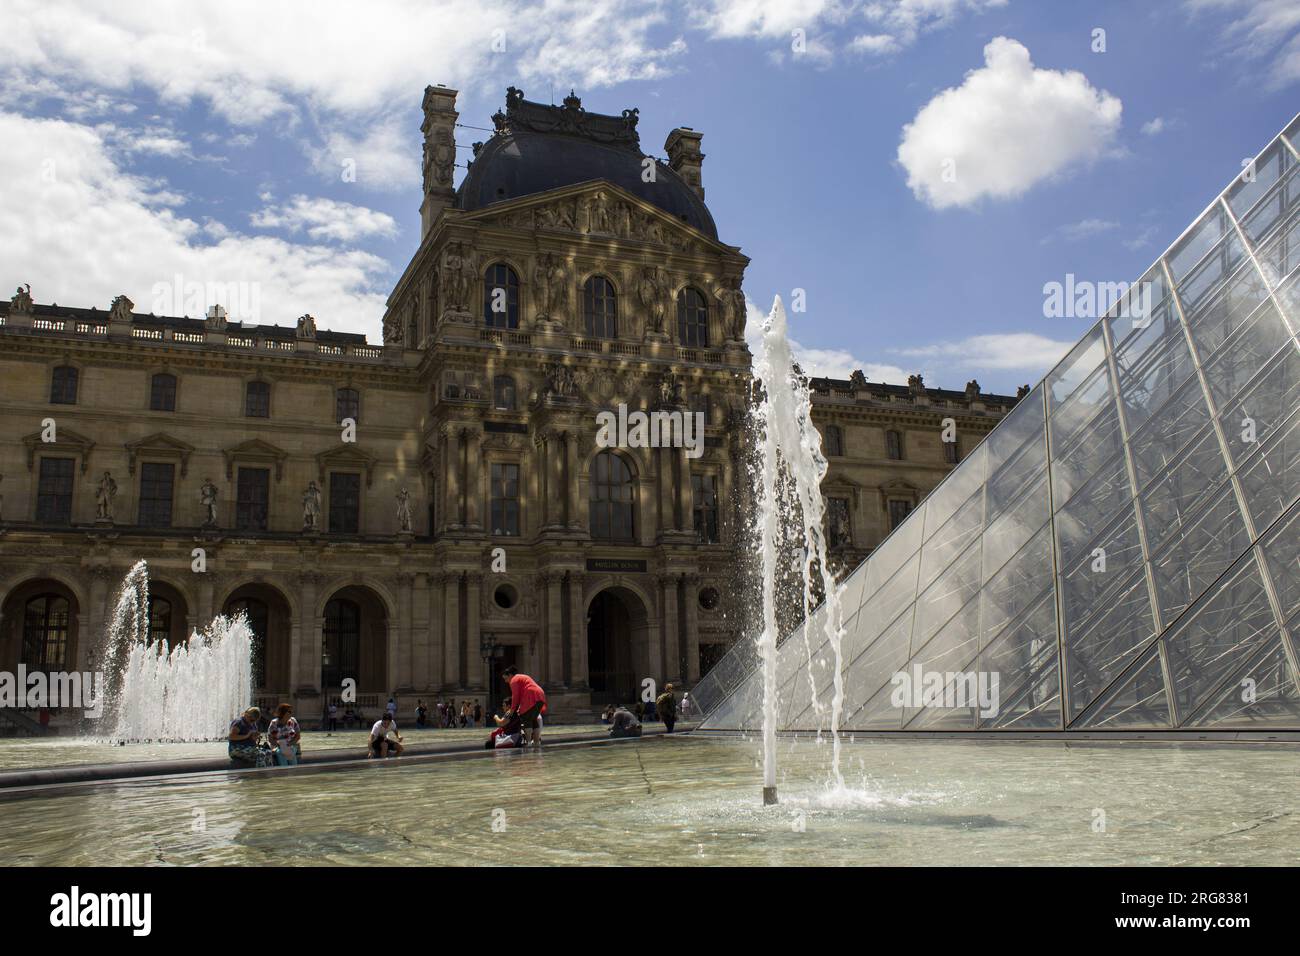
791, 471
184, 693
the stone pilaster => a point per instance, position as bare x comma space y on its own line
473, 439
690, 595
400, 666
578, 664
312, 637
473, 656
451, 631
549, 582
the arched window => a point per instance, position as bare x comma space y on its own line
162, 393
46, 621
63, 385
600, 308
692, 319
501, 297
834, 441
347, 404
894, 445
259, 619
341, 649
613, 499
160, 619
503, 393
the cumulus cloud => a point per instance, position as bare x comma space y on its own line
765, 18
323, 218
1011, 351
1083, 229
382, 156
900, 22
1007, 127
82, 230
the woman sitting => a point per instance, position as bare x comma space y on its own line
244, 738
285, 737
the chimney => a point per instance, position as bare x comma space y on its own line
439, 128
685, 158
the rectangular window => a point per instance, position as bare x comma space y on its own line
894, 445
898, 510
345, 502
705, 490
951, 453
347, 404
54, 491
63, 385
505, 499
162, 393
252, 494
156, 486
257, 400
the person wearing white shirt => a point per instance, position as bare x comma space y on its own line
380, 745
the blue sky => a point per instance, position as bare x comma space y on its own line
920, 168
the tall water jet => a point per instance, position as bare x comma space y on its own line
184, 693
791, 509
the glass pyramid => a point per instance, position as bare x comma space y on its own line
1122, 552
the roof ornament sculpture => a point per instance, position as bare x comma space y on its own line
21, 301
525, 116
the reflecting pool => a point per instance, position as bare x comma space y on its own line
695, 801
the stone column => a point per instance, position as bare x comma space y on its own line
549, 583
421, 632
473, 480
667, 509
399, 664
437, 632
691, 597
685, 512
311, 637
473, 656
555, 477
451, 477
578, 664
573, 510
451, 630
668, 584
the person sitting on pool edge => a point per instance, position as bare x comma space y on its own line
380, 745
527, 700
624, 723
244, 738
509, 731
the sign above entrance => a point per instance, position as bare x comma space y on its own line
615, 564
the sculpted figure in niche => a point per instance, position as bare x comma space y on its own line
208, 498
104, 496
652, 289
458, 278
404, 511
311, 507
732, 302
552, 290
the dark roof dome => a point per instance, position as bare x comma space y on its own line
537, 148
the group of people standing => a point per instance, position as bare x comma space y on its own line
447, 715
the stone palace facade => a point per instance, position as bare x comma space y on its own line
418, 514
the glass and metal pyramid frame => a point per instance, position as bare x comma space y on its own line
1122, 552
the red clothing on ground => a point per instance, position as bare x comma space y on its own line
525, 693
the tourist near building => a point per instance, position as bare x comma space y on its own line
418, 514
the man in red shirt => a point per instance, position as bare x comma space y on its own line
527, 700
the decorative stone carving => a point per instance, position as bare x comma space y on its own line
557, 217
522, 115
1022, 391
731, 305
120, 310
458, 275
208, 498
104, 495
311, 501
972, 390
653, 290
560, 381
404, 512
306, 328
917, 385
857, 380
21, 301
552, 287
215, 320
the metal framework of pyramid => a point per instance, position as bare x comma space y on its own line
1123, 550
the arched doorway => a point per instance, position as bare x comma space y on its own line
168, 614
355, 641
270, 619
40, 627
617, 646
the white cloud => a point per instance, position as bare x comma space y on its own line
825, 363
1142, 239
385, 155
81, 230
1083, 229
765, 18
902, 21
1153, 127
1009, 351
1258, 29
1009, 126
323, 218
875, 44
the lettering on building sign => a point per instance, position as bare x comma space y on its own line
615, 564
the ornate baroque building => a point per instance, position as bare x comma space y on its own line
416, 515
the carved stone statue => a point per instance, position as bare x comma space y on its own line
120, 310
208, 498
732, 302
972, 390
404, 511
560, 381
457, 278
306, 327
917, 384
311, 508
552, 288
653, 291
857, 380
104, 495
1022, 391
21, 300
